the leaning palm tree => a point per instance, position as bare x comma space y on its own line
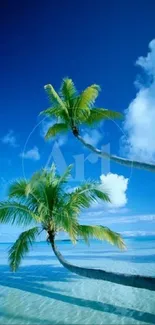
72, 109
44, 204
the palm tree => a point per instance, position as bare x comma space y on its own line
44, 204
72, 109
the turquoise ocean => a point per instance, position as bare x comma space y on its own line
43, 292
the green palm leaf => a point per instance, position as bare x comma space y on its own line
68, 89
79, 200
83, 196
68, 222
101, 233
17, 213
56, 129
84, 102
33, 192
88, 96
21, 247
89, 192
52, 172
53, 112
99, 114
65, 218
104, 196
54, 98
18, 188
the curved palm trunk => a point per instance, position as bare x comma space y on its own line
119, 160
144, 282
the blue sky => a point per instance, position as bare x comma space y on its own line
96, 43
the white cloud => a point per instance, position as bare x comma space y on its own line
139, 233
116, 185
116, 210
136, 218
100, 215
32, 154
140, 115
118, 219
10, 139
92, 137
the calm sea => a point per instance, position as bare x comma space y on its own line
43, 292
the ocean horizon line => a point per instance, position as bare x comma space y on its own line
142, 237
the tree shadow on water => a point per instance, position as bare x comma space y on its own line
33, 279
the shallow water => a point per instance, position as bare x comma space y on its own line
43, 292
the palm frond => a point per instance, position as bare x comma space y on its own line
46, 186
99, 194
84, 102
32, 193
79, 201
88, 96
21, 247
81, 197
54, 98
15, 213
18, 188
101, 233
69, 224
80, 114
52, 111
38, 175
52, 171
38, 190
65, 218
87, 193
68, 89
56, 129
98, 114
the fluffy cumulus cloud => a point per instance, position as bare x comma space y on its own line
140, 115
92, 137
10, 139
116, 185
32, 154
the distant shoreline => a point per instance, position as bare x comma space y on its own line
140, 237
